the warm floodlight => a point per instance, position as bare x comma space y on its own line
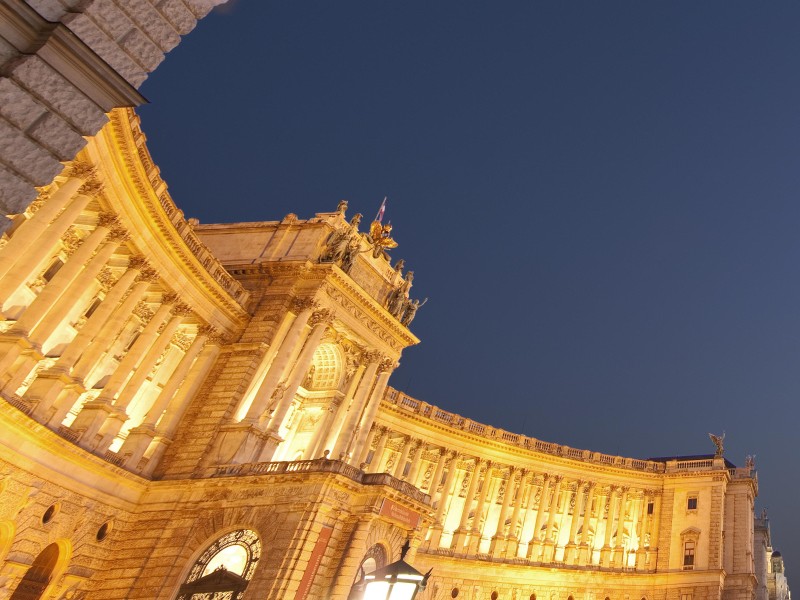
397, 581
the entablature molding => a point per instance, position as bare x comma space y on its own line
136, 193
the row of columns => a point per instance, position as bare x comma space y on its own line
265, 422
33, 241
522, 487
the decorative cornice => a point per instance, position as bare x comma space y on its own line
162, 214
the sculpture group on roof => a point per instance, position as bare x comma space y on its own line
344, 244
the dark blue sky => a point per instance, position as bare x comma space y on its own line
600, 200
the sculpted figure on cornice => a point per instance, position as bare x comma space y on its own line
340, 240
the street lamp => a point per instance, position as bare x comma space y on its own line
397, 581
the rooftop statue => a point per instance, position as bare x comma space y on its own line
340, 240
718, 440
380, 236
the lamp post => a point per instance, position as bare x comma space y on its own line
397, 581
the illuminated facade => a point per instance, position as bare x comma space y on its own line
180, 397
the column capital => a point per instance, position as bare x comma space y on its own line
143, 311
106, 278
300, 304
624, 489
557, 479
80, 170
181, 310
71, 240
591, 485
108, 220
119, 234
138, 262
373, 356
91, 188
386, 364
321, 316
169, 298
149, 275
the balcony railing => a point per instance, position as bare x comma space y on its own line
322, 465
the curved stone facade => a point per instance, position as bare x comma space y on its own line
176, 391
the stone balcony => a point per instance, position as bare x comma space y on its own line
322, 465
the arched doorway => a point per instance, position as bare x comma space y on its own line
38, 577
224, 570
375, 558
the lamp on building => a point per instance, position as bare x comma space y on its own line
397, 581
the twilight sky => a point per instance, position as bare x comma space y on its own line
600, 199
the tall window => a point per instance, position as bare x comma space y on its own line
688, 556
223, 571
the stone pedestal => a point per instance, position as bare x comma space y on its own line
461, 540
512, 547
584, 555
571, 554
497, 545
90, 420
548, 551
641, 559
44, 391
605, 556
136, 444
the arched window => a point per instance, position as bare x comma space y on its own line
374, 559
223, 571
38, 576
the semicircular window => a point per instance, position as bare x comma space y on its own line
223, 571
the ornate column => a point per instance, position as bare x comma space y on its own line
384, 372
344, 444
44, 390
437, 473
549, 545
605, 551
535, 544
618, 559
24, 237
268, 387
38, 251
477, 530
644, 533
113, 424
319, 322
497, 544
570, 551
93, 414
438, 526
514, 535
287, 390
377, 457
108, 334
85, 282
461, 534
400, 468
342, 412
415, 459
48, 297
584, 552
320, 433
183, 397
139, 438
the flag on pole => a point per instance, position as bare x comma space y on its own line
381, 210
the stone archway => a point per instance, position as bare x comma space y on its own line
71, 63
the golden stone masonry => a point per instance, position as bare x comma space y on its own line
203, 411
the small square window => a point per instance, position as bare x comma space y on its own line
691, 503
